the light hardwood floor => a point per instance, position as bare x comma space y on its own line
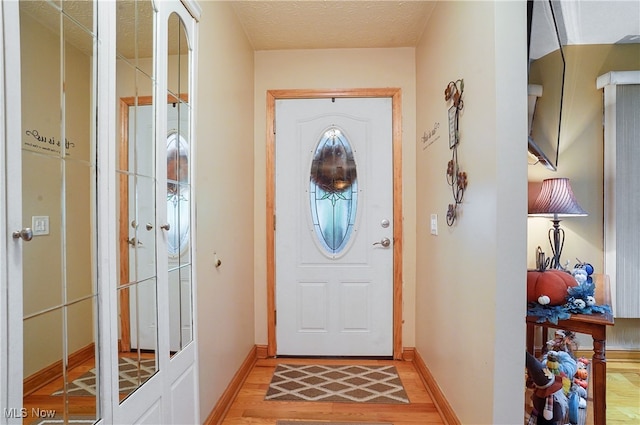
249, 407
623, 392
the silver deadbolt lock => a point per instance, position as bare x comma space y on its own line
384, 223
385, 242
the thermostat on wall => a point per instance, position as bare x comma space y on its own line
40, 225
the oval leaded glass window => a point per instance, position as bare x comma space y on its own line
177, 194
333, 190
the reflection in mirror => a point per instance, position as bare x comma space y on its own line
177, 194
59, 192
546, 73
138, 302
179, 188
137, 295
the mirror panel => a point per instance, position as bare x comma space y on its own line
41, 198
80, 11
41, 95
186, 297
142, 130
179, 187
180, 314
178, 51
58, 162
135, 82
546, 70
134, 33
44, 330
137, 363
79, 244
142, 242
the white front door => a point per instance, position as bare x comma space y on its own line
334, 227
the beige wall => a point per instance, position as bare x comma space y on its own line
470, 288
581, 160
224, 203
329, 69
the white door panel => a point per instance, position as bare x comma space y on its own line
334, 301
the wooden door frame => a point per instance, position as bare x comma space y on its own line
396, 100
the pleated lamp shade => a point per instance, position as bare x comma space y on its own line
556, 199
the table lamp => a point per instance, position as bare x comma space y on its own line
555, 200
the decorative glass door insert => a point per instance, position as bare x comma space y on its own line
333, 191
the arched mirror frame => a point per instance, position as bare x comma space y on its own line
169, 368
180, 315
178, 119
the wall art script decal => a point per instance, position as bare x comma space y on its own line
45, 143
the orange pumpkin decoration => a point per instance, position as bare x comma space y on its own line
549, 287
582, 374
584, 384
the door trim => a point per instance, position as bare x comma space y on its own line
396, 110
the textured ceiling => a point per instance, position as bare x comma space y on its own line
313, 24
274, 25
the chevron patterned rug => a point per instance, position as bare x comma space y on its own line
337, 383
85, 385
330, 423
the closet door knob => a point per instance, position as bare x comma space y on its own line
166, 226
25, 234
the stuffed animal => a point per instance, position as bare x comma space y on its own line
550, 404
549, 287
563, 341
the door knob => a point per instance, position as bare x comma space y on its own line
25, 234
166, 226
134, 242
385, 242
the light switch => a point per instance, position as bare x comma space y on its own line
40, 225
434, 224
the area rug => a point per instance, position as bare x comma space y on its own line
85, 385
330, 423
61, 421
337, 383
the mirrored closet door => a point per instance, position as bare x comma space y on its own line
99, 235
58, 48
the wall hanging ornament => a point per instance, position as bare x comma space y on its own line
457, 179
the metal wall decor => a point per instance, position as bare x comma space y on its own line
457, 179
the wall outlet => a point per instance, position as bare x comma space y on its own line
434, 224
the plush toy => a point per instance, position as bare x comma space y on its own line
549, 287
563, 341
550, 404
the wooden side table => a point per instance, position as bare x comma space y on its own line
594, 325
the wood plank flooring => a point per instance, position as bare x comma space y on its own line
250, 408
623, 392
